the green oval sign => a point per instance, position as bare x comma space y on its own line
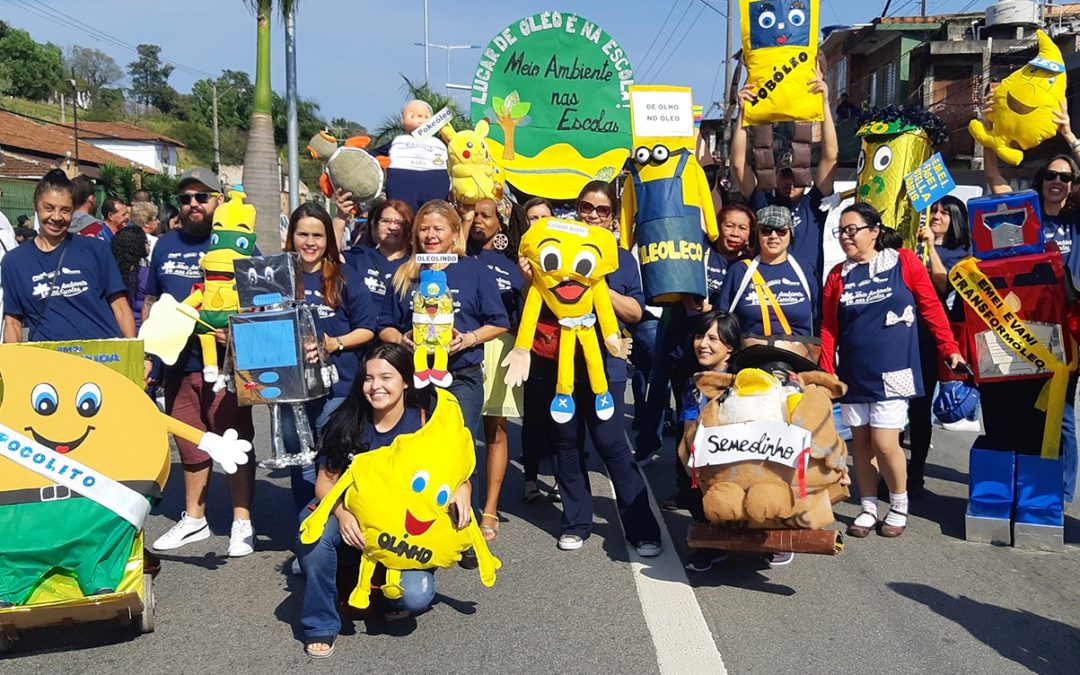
556, 90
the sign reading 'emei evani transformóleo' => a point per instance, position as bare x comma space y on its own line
556, 90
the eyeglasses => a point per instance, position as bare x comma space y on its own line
585, 208
766, 230
391, 221
201, 197
849, 231
1063, 176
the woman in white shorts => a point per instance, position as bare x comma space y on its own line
870, 340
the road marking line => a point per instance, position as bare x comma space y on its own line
680, 635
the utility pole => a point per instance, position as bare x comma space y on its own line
427, 59
216, 168
75, 116
922, 8
293, 125
448, 48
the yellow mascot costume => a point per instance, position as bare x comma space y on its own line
780, 46
399, 494
1024, 105
569, 262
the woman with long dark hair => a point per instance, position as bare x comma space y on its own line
870, 341
345, 316
382, 405
131, 249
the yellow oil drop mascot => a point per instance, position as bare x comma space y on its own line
83, 454
569, 262
399, 495
1024, 105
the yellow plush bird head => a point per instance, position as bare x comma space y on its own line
568, 258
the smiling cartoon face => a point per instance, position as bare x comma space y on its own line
82, 410
568, 258
884, 160
233, 237
779, 23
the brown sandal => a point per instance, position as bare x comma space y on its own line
892, 531
858, 531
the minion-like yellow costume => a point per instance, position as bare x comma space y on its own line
569, 262
399, 494
895, 141
1024, 105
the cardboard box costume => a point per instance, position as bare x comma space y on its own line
399, 494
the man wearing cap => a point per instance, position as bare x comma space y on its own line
805, 204
174, 268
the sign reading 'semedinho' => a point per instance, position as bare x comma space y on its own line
775, 442
555, 89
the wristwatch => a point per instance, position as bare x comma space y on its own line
340, 344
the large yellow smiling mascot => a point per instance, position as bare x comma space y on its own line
1024, 105
570, 261
399, 495
83, 453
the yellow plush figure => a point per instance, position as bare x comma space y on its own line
667, 202
433, 329
83, 453
569, 261
474, 175
1024, 105
232, 237
780, 46
399, 494
895, 141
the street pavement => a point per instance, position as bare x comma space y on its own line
925, 602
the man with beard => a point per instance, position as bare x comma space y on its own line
174, 268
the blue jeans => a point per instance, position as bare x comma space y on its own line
671, 333
643, 356
1068, 448
302, 478
319, 616
468, 389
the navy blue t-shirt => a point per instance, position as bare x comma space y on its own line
356, 309
174, 269
1062, 229
626, 280
809, 222
790, 295
409, 423
80, 289
476, 303
511, 282
716, 269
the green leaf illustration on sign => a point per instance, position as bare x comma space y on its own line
555, 88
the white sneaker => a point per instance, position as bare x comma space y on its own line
570, 542
962, 425
184, 532
242, 539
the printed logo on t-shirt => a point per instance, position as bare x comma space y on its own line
67, 289
502, 278
180, 265
373, 281
322, 310
785, 298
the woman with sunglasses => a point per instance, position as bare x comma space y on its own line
597, 205
378, 256
771, 295
870, 341
1058, 184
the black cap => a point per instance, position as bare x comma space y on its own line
756, 356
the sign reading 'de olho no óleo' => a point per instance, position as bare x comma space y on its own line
556, 90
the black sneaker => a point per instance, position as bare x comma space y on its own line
704, 559
468, 560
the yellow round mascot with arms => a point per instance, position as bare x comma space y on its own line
399, 495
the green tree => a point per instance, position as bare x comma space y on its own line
345, 128
28, 69
261, 179
391, 126
93, 68
307, 117
106, 106
150, 79
234, 90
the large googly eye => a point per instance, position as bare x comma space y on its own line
861, 163
253, 276
88, 399
214, 239
766, 20
269, 273
242, 242
420, 480
642, 155
660, 153
44, 399
585, 263
443, 495
550, 259
796, 17
882, 158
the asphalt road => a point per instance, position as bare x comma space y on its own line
926, 602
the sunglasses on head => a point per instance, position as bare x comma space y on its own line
1063, 176
201, 197
585, 208
766, 230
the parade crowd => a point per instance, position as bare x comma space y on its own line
879, 320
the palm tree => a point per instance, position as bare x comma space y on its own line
391, 126
262, 180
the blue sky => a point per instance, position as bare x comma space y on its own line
349, 52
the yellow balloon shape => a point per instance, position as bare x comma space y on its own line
1024, 105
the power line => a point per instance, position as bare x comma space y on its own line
704, 2
681, 41
667, 41
655, 37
